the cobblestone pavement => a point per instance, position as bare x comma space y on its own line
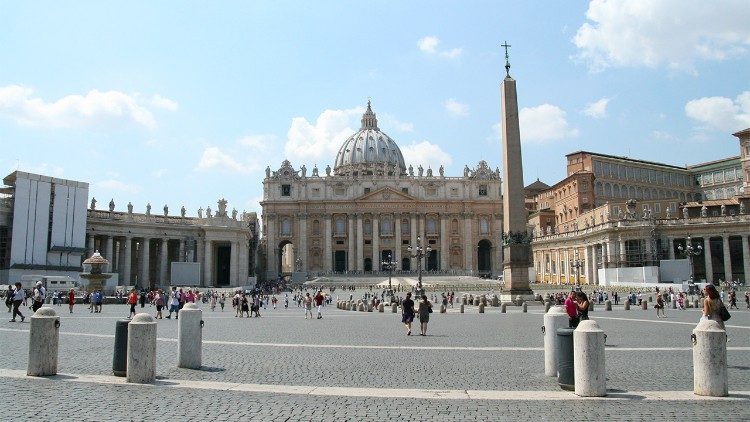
492, 352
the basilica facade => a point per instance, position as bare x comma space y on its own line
370, 208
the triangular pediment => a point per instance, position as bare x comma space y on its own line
386, 194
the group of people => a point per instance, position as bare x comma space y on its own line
16, 296
577, 307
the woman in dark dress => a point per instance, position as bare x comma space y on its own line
425, 308
407, 312
583, 306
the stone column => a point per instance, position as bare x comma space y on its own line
567, 266
272, 266
350, 239
707, 257
302, 236
327, 244
623, 255
244, 269
199, 248
397, 246
145, 252
670, 246
605, 254
181, 258
413, 241
727, 258
360, 254
589, 268
444, 245
127, 263
91, 246
163, 260
746, 257
208, 268
108, 252
468, 244
234, 263
376, 242
594, 266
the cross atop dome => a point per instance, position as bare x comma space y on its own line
369, 121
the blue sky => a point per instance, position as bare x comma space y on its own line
182, 103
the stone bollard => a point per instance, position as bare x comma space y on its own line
627, 305
481, 308
674, 304
547, 306
607, 305
495, 301
503, 307
190, 337
142, 349
381, 307
483, 300
369, 307
120, 355
695, 304
477, 302
588, 360
471, 299
710, 360
644, 305
361, 307
462, 308
524, 307
44, 340
353, 307
443, 309
463, 300
554, 319
394, 308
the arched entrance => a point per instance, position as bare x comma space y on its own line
406, 264
368, 264
484, 257
285, 258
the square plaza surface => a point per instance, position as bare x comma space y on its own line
362, 366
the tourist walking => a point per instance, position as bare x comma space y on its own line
40, 293
319, 298
659, 306
9, 297
71, 300
571, 309
174, 303
212, 301
244, 307
307, 302
132, 301
257, 300
407, 312
222, 300
159, 301
18, 297
425, 309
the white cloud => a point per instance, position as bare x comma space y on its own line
164, 103
429, 45
661, 135
597, 109
455, 108
544, 123
116, 185
251, 155
675, 33
43, 169
721, 113
388, 122
308, 142
95, 108
425, 154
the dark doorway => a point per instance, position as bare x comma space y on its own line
484, 257
339, 261
406, 264
432, 260
385, 256
368, 264
223, 262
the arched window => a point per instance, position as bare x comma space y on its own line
316, 228
405, 226
431, 225
368, 227
386, 226
484, 226
340, 226
454, 226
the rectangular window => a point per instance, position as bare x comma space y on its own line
286, 190
405, 190
367, 190
483, 190
316, 192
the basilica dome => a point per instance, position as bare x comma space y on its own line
369, 151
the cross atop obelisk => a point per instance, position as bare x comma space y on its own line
507, 59
516, 240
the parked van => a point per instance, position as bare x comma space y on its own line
50, 282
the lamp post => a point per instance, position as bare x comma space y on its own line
419, 252
577, 264
389, 265
690, 251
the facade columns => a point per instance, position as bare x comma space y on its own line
670, 241
234, 261
444, 246
91, 246
413, 229
182, 257
567, 266
727, 259
594, 266
242, 262
397, 246
145, 252
589, 267
376, 242
327, 259
163, 260
746, 257
623, 255
468, 246
127, 263
272, 252
360, 254
199, 248
605, 253
208, 271
707, 257
351, 238
108, 252
302, 247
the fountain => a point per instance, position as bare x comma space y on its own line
95, 276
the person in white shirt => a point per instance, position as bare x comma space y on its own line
18, 298
40, 293
174, 303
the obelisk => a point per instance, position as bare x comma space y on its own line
517, 243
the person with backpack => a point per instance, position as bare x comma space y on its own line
159, 301
40, 294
